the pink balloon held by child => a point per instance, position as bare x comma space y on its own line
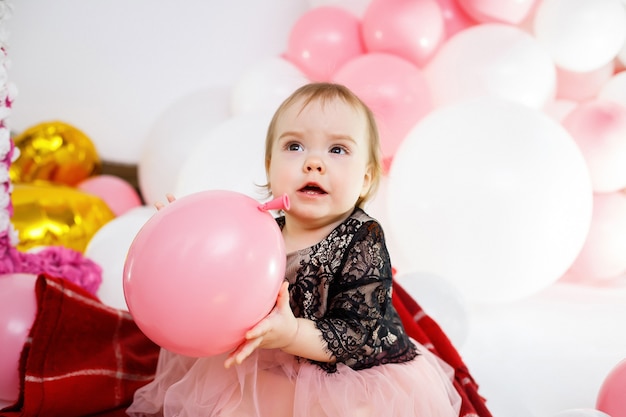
204, 270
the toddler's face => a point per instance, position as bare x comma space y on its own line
320, 158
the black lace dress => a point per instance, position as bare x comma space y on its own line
343, 284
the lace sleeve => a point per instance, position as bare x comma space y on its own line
361, 327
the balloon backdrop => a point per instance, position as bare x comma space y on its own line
108, 247
203, 270
603, 256
581, 35
581, 86
440, 300
393, 88
322, 40
472, 199
228, 157
611, 398
47, 214
504, 11
56, 152
18, 308
509, 64
116, 192
599, 129
614, 89
172, 137
412, 30
265, 85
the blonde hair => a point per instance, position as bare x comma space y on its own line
325, 92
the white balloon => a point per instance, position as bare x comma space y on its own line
228, 157
492, 60
441, 300
491, 194
173, 136
615, 89
581, 35
108, 248
265, 85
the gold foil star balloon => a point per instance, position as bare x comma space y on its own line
55, 152
46, 214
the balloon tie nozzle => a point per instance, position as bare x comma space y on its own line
279, 203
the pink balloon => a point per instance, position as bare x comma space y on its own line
603, 256
498, 11
599, 129
581, 86
395, 90
203, 270
611, 398
322, 40
410, 29
454, 17
18, 307
117, 193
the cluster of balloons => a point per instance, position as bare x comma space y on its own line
60, 196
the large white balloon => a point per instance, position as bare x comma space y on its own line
108, 248
173, 136
228, 157
581, 35
491, 194
492, 60
265, 85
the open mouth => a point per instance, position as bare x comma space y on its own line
312, 189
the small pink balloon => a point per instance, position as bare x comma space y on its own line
599, 128
603, 256
18, 307
117, 193
322, 40
395, 90
203, 270
611, 398
498, 11
410, 29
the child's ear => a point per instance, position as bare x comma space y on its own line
367, 181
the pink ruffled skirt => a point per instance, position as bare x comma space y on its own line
271, 383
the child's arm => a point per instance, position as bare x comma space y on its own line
281, 329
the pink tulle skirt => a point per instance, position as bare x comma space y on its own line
273, 384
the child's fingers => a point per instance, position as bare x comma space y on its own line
245, 350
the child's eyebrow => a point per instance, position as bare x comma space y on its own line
289, 133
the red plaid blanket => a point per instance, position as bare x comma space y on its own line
86, 359
82, 357
425, 330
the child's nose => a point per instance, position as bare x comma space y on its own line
314, 163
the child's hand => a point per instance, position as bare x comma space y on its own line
277, 330
170, 199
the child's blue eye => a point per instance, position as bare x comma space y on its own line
294, 147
